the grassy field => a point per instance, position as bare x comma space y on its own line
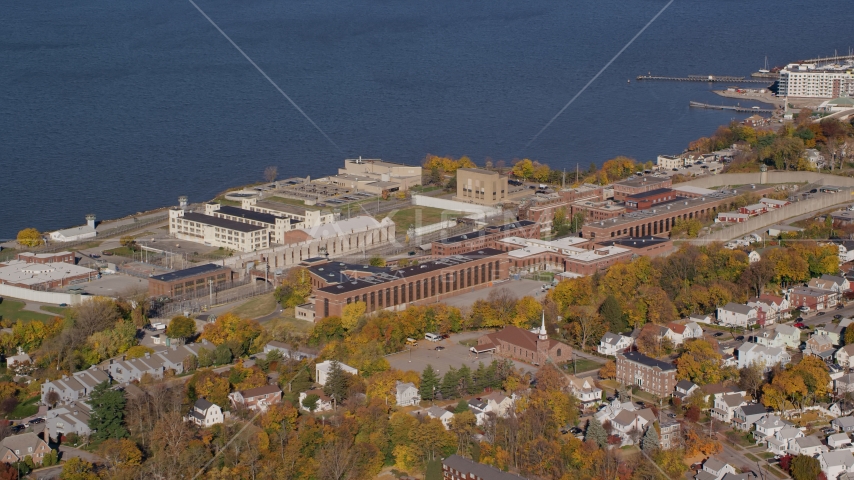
120, 251
429, 215
287, 321
583, 365
57, 310
256, 307
291, 201
225, 201
25, 409
14, 310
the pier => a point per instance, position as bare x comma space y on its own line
706, 78
729, 107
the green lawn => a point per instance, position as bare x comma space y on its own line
120, 251
14, 310
57, 310
766, 455
751, 456
429, 215
257, 307
25, 409
289, 322
582, 365
225, 201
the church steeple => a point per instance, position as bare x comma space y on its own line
543, 335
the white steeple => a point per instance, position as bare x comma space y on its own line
543, 334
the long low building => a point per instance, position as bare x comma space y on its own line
485, 238
217, 232
190, 281
43, 276
428, 282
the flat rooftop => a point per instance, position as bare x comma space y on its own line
480, 171
403, 273
486, 231
641, 181
635, 242
189, 272
23, 273
285, 207
248, 214
222, 222
334, 272
649, 193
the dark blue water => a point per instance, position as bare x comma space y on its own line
119, 106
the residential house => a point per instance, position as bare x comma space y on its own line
685, 388
844, 384
846, 251
324, 403
585, 390
820, 346
126, 371
204, 414
779, 306
838, 440
321, 371
406, 393
16, 448
20, 358
753, 256
843, 424
259, 398
836, 463
456, 467
499, 403
781, 337
779, 443
288, 351
175, 357
843, 356
725, 406
613, 343
812, 298
769, 425
750, 353
670, 436
745, 416
692, 330
700, 318
628, 424
736, 314
834, 331
478, 408
721, 388
75, 387
838, 285
611, 410
809, 446
440, 413
714, 469
728, 360
676, 333
67, 419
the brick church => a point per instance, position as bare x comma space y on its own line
527, 346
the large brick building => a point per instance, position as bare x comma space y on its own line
642, 201
427, 282
485, 238
648, 374
191, 281
648, 246
518, 344
542, 209
637, 185
29, 257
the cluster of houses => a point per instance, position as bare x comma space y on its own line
677, 333
495, 403
744, 213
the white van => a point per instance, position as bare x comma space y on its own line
433, 337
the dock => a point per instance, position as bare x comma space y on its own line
730, 107
705, 78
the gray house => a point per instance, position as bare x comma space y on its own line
126, 371
843, 424
67, 419
173, 357
746, 415
288, 351
72, 388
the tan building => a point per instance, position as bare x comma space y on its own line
516, 343
483, 187
636, 185
375, 176
217, 232
542, 209
648, 374
16, 448
300, 216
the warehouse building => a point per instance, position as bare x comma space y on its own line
190, 282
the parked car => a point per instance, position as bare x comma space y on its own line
800, 325
837, 316
719, 334
37, 420
839, 306
740, 338
671, 415
820, 313
439, 348
576, 431
799, 319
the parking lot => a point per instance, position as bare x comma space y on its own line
453, 355
113, 285
519, 288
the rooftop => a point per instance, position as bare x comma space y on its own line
23, 273
638, 357
648, 193
635, 242
479, 470
479, 171
486, 231
641, 181
188, 272
248, 214
221, 222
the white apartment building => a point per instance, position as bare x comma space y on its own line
217, 232
816, 81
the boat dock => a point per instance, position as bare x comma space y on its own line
730, 107
705, 78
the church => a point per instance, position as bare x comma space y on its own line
532, 347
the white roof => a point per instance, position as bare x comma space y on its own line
343, 227
70, 232
592, 255
694, 190
18, 271
838, 458
533, 246
771, 201
733, 215
326, 365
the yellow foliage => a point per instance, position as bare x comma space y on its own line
30, 237
351, 314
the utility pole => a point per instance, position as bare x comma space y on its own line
210, 283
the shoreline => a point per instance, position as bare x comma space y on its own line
771, 99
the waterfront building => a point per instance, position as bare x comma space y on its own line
483, 187
217, 232
75, 234
816, 81
637, 185
301, 216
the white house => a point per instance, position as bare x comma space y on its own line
499, 403
781, 337
611, 410
714, 469
753, 256
700, 318
443, 415
321, 371
627, 422
684, 388
809, 446
749, 353
20, 358
833, 331
836, 463
779, 443
838, 440
692, 330
204, 414
324, 403
585, 390
406, 394
843, 424
831, 282
745, 416
844, 384
769, 425
843, 356
736, 314
613, 343
846, 251
725, 406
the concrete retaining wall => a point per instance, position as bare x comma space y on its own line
712, 181
435, 227
453, 205
41, 297
820, 202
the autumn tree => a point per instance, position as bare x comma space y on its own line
751, 377
295, 288
120, 454
75, 468
609, 370
700, 363
805, 467
270, 174
351, 314
181, 328
234, 331
758, 275
377, 261
30, 237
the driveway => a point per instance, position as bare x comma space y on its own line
70, 452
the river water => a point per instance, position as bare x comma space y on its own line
114, 107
